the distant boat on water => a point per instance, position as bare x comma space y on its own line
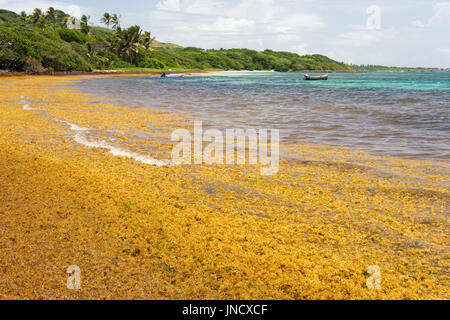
175, 75
322, 77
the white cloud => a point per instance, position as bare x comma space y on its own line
300, 48
441, 15
74, 11
260, 11
206, 7
227, 24
289, 37
169, 5
419, 24
263, 10
445, 51
255, 24
334, 28
361, 37
296, 22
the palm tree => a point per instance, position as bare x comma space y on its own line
146, 40
130, 41
125, 43
115, 20
116, 41
36, 16
84, 24
106, 19
85, 19
51, 14
64, 21
23, 16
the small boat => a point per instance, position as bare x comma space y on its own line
176, 75
322, 77
172, 75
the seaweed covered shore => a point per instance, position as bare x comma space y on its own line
139, 231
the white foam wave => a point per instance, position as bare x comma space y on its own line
27, 107
79, 138
73, 126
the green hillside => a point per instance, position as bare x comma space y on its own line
41, 42
367, 68
9, 17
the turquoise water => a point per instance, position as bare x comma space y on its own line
389, 113
373, 80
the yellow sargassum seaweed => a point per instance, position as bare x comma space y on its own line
203, 232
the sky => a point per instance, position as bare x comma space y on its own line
384, 32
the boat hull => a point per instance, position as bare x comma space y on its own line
314, 78
322, 77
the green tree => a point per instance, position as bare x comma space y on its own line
125, 43
64, 21
106, 19
115, 20
85, 24
146, 40
23, 16
51, 14
36, 16
85, 19
114, 41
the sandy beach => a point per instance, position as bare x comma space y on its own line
143, 231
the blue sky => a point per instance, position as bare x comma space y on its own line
407, 33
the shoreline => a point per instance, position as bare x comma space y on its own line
203, 232
100, 73
4, 73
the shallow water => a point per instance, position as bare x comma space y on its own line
389, 113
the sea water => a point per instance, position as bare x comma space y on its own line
403, 114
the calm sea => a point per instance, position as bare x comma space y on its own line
389, 113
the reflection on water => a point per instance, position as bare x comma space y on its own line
399, 114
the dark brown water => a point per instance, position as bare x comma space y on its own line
398, 114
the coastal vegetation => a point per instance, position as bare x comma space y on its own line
46, 42
369, 67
